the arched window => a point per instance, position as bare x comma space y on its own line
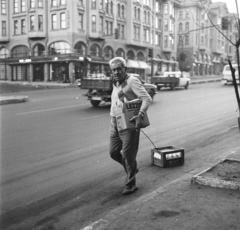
123, 11
95, 50
119, 10
120, 53
145, 16
4, 53
20, 51
140, 56
148, 18
135, 13
130, 55
38, 50
187, 26
80, 48
108, 52
139, 12
59, 48
180, 27
111, 8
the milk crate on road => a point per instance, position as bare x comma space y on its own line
167, 156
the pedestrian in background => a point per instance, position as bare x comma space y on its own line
124, 144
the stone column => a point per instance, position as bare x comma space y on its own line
71, 72
46, 72
30, 73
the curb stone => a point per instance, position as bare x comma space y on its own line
215, 182
13, 99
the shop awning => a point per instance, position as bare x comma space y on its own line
143, 65
137, 64
132, 64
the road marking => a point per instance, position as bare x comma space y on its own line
44, 110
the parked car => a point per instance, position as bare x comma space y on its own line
227, 75
171, 79
150, 88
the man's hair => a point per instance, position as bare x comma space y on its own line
118, 59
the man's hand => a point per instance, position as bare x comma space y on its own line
138, 120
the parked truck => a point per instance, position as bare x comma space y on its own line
171, 79
100, 88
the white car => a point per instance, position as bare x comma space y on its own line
172, 79
227, 75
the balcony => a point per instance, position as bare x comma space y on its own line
37, 34
4, 39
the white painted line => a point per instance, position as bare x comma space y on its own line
44, 110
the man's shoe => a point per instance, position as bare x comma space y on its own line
128, 190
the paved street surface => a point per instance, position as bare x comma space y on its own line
57, 174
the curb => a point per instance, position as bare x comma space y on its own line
12, 99
215, 182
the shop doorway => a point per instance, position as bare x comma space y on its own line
20, 73
38, 72
60, 72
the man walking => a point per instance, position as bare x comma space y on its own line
124, 144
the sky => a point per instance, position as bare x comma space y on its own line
231, 5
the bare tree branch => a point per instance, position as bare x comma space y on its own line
215, 26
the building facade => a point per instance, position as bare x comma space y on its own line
206, 47
59, 40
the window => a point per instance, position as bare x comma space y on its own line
101, 4
54, 2
40, 22
180, 27
101, 24
40, 3
202, 40
94, 23
94, 4
95, 50
15, 27
59, 48
54, 21
148, 18
80, 21
139, 12
63, 20
180, 14
119, 10
146, 35
62, 2
165, 41
3, 6
38, 50
23, 26
187, 13
135, 13
23, 6
166, 25
187, 39
180, 40
136, 32
123, 12
15, 6
111, 8
32, 22
187, 26
20, 51
157, 39
4, 28
158, 6
165, 8
122, 31
32, 3
145, 16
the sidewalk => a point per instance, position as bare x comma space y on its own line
19, 99
179, 205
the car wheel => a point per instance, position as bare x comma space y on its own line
173, 87
159, 87
151, 93
95, 103
186, 86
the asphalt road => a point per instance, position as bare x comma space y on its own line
56, 172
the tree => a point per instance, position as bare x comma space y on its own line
236, 44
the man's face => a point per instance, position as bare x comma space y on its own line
119, 72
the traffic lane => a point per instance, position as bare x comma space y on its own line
106, 181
